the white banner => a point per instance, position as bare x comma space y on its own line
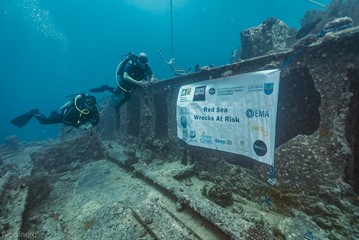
234, 114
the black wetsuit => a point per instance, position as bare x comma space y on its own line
74, 113
136, 71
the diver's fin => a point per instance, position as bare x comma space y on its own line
21, 120
100, 89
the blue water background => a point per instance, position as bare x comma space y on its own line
52, 49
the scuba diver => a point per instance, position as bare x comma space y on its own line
81, 111
132, 72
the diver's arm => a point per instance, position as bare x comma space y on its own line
153, 79
91, 123
150, 76
66, 105
128, 78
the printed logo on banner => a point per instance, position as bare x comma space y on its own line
207, 139
183, 122
223, 141
257, 113
192, 134
186, 91
258, 129
241, 145
212, 91
199, 94
268, 88
192, 137
255, 87
183, 111
184, 134
260, 148
184, 95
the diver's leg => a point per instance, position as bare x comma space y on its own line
123, 100
125, 97
104, 88
55, 117
99, 89
113, 90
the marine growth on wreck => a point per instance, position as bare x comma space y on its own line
134, 178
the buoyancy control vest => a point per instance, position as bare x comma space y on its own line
79, 110
121, 83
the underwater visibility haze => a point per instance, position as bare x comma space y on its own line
256, 138
53, 49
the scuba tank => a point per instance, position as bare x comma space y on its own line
121, 68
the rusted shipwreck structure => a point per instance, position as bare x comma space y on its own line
317, 153
316, 163
316, 141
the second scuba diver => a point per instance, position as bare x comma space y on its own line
80, 111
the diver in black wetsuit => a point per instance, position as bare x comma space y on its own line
81, 111
132, 72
